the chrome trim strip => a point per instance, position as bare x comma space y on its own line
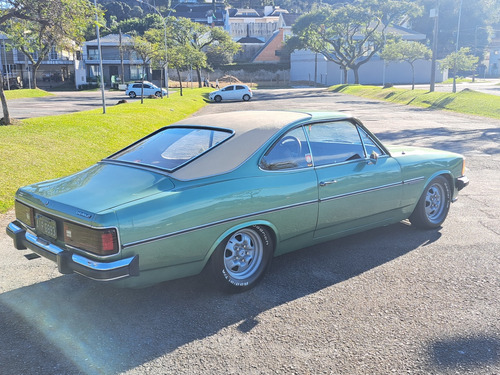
413, 180
382, 187
203, 226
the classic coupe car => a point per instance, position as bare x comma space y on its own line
226, 193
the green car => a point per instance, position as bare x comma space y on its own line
226, 193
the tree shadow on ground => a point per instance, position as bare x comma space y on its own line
464, 353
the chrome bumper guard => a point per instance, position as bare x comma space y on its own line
68, 262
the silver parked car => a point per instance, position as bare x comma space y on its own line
134, 89
231, 92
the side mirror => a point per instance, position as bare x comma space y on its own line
373, 158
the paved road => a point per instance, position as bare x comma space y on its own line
393, 300
62, 102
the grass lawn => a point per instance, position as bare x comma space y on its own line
49, 147
466, 101
25, 93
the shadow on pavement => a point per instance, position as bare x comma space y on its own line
73, 325
465, 353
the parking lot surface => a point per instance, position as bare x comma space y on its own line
392, 300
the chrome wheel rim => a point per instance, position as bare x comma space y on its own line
243, 254
434, 202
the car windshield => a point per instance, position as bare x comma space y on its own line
172, 147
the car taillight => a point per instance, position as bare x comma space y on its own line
463, 167
25, 214
97, 241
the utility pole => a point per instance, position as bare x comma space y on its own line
100, 58
435, 14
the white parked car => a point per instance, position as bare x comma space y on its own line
231, 92
134, 89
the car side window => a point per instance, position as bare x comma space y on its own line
335, 142
240, 88
290, 152
370, 145
228, 88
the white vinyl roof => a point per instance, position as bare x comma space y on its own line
251, 130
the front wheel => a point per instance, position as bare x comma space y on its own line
241, 260
434, 204
218, 98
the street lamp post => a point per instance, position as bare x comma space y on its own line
100, 58
458, 27
165, 41
434, 14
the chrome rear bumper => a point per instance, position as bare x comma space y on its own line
68, 262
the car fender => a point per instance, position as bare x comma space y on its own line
445, 173
268, 224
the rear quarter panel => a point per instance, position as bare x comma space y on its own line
186, 224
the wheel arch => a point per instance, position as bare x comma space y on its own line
444, 173
271, 228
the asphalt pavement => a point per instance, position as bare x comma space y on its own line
394, 300
62, 102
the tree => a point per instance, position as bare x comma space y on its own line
184, 32
460, 60
404, 50
51, 17
183, 56
477, 17
157, 38
59, 24
146, 52
349, 35
222, 50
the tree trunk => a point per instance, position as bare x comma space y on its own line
33, 71
345, 75
198, 73
412, 77
6, 116
356, 75
180, 79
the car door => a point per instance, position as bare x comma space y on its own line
354, 189
148, 90
239, 91
291, 187
228, 93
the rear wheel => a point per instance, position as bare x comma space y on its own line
132, 94
246, 97
218, 98
434, 204
241, 260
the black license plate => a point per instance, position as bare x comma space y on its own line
46, 226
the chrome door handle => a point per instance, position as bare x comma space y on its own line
324, 183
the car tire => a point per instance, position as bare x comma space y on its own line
433, 206
246, 97
157, 94
241, 259
132, 94
218, 98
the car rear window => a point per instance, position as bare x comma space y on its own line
172, 147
